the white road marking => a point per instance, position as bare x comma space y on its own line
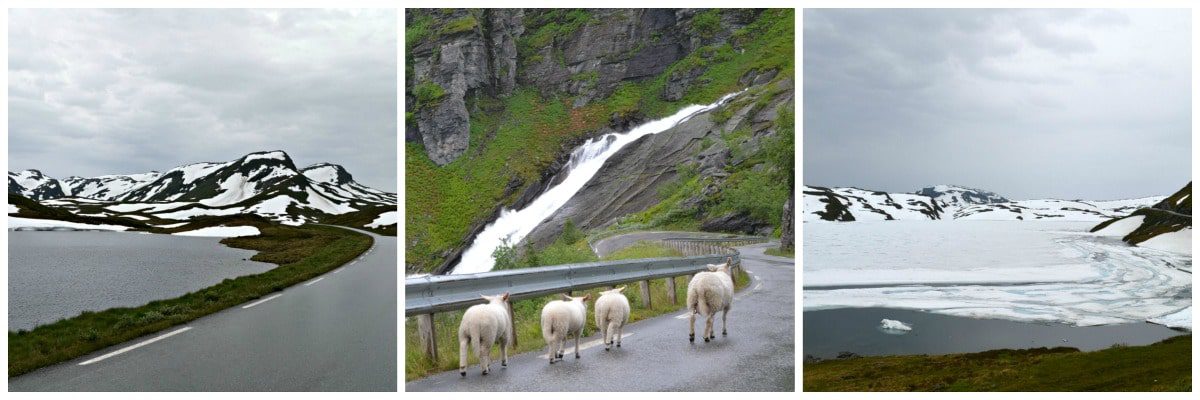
260, 301
338, 270
682, 316
118, 352
352, 262
569, 348
314, 281
758, 286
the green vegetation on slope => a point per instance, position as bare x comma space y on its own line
1163, 366
513, 140
527, 314
301, 253
27, 208
1164, 217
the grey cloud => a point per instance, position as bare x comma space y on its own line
1028, 103
96, 92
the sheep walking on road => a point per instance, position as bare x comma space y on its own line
708, 292
560, 320
612, 311
483, 325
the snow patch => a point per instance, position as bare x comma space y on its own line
32, 223
1121, 227
1181, 319
197, 211
221, 231
1177, 242
387, 218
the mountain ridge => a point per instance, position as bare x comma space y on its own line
953, 202
265, 183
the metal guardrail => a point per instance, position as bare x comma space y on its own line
427, 295
439, 293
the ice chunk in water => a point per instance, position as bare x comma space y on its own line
894, 325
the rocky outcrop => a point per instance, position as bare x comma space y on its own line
585, 55
787, 228
631, 180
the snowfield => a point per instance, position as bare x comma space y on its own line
1045, 271
1178, 242
221, 231
17, 222
387, 218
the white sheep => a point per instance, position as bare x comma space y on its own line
561, 319
483, 325
612, 311
708, 292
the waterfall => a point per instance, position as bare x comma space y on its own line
585, 162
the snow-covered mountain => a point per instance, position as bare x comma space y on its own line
32, 184
106, 187
958, 196
947, 202
854, 204
264, 183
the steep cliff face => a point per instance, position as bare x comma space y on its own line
496, 98
584, 54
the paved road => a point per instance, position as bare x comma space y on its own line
758, 354
613, 243
336, 332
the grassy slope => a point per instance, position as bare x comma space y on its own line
527, 315
1164, 366
442, 202
301, 253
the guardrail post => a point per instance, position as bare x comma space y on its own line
645, 286
428, 341
671, 289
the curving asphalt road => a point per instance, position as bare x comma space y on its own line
336, 332
605, 246
758, 355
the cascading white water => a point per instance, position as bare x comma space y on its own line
586, 160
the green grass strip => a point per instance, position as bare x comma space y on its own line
301, 253
1163, 366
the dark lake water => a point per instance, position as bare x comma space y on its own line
54, 275
828, 332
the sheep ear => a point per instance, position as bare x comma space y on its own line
587, 296
565, 297
504, 296
620, 289
484, 297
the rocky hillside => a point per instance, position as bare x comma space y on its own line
263, 183
945, 202
1167, 221
497, 98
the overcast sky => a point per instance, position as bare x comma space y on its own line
1076, 104
97, 92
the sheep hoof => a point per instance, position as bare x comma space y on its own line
463, 373
705, 340
618, 344
485, 372
606, 348
692, 338
504, 363
723, 333
577, 355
